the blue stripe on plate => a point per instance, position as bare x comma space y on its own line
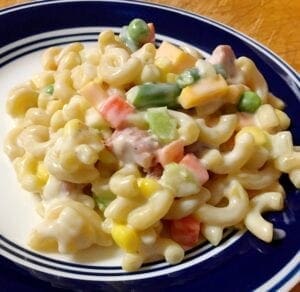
50, 260
17, 47
285, 279
37, 49
280, 67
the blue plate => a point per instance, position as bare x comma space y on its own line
241, 262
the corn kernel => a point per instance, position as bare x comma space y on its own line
148, 186
258, 134
125, 237
42, 173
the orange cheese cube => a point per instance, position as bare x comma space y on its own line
94, 94
203, 91
180, 59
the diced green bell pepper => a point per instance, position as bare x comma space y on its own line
162, 125
104, 197
179, 180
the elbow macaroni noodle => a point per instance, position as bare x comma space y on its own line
61, 149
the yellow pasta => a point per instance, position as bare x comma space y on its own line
118, 68
255, 222
219, 133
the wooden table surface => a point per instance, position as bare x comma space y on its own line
274, 23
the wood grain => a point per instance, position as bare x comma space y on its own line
274, 23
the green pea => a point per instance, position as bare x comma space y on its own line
49, 89
138, 30
128, 41
249, 102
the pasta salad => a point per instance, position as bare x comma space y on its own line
149, 147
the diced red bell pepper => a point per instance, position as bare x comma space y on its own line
172, 152
115, 111
191, 162
151, 37
185, 231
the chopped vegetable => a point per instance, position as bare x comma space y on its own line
249, 102
49, 89
115, 111
259, 135
151, 37
203, 91
154, 95
172, 152
180, 180
126, 238
138, 30
137, 33
148, 186
191, 162
188, 77
185, 231
129, 42
104, 197
162, 125
180, 59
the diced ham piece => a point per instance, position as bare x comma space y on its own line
151, 38
132, 145
223, 55
115, 111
